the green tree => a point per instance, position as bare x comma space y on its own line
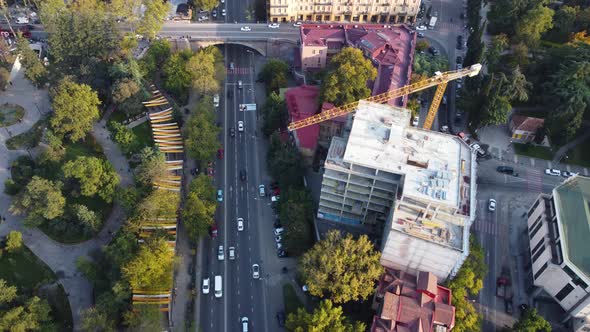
127, 44
153, 17
295, 212
199, 208
206, 5
41, 199
564, 23
201, 141
220, 70
14, 241
274, 74
146, 319
156, 55
7, 292
326, 318
426, 64
159, 204
123, 89
347, 77
177, 78
34, 68
152, 166
496, 105
533, 24
422, 45
151, 268
531, 321
4, 78
341, 268
124, 136
275, 114
201, 68
95, 176
86, 217
75, 109
94, 320
498, 44
518, 87
286, 166
30, 316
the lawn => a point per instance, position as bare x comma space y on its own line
84, 148
579, 155
534, 151
292, 301
28, 139
10, 114
25, 271
144, 134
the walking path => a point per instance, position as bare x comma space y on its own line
61, 258
564, 149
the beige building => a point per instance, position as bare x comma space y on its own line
366, 11
558, 231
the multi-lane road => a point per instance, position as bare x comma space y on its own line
228, 30
243, 296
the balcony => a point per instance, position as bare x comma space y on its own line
322, 3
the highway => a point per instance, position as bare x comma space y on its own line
243, 296
228, 30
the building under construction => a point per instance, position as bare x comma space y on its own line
418, 186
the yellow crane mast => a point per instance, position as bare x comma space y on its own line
439, 79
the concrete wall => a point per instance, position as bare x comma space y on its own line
313, 56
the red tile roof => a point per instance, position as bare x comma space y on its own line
302, 102
412, 304
526, 123
391, 47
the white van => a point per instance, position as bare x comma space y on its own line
244, 324
218, 287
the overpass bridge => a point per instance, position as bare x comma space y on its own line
260, 37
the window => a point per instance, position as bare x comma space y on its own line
541, 270
534, 207
565, 291
535, 223
541, 242
313, 52
575, 278
536, 230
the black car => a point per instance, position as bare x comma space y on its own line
281, 318
459, 42
281, 253
232, 132
243, 175
505, 169
459, 59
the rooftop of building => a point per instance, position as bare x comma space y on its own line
412, 303
391, 48
436, 168
302, 102
526, 123
572, 206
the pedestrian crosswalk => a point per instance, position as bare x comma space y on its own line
534, 180
447, 26
240, 71
488, 227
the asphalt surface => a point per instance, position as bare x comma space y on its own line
229, 30
243, 296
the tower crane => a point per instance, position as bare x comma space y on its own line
439, 79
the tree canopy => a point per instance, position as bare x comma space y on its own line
533, 24
326, 318
152, 166
201, 68
159, 204
275, 114
14, 241
199, 207
75, 109
531, 321
18, 313
95, 176
151, 268
200, 134
347, 77
41, 199
341, 268
153, 17
296, 215
274, 74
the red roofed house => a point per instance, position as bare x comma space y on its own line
390, 48
524, 128
302, 102
406, 303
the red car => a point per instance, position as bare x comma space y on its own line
220, 153
210, 171
214, 231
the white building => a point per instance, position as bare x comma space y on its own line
559, 234
417, 185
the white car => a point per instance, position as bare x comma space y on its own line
232, 253
567, 174
421, 28
240, 125
278, 238
279, 231
492, 205
274, 25
220, 253
223, 12
206, 283
245, 29
22, 20
261, 190
416, 121
244, 324
553, 171
297, 24
255, 271
240, 224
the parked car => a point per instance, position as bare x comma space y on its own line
239, 84
505, 169
459, 42
420, 34
278, 238
255, 271
220, 153
240, 224
213, 231
244, 324
277, 224
223, 12
281, 253
220, 195
421, 28
261, 190
246, 28
274, 25
243, 175
206, 285
567, 174
232, 132
297, 24
279, 231
459, 59
553, 171
492, 205
416, 121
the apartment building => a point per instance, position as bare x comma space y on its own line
368, 11
558, 230
417, 186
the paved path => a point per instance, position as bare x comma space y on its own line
564, 149
61, 258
